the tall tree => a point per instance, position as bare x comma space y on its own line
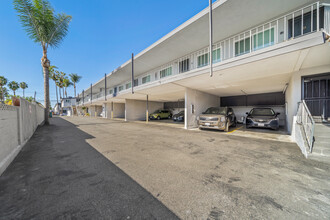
3, 93
74, 79
66, 83
53, 76
23, 86
46, 28
13, 86
3, 82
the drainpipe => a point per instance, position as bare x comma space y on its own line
105, 87
132, 74
147, 112
211, 39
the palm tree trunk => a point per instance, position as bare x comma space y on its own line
74, 86
14, 92
45, 66
2, 96
56, 94
23, 94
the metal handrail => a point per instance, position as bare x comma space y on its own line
305, 119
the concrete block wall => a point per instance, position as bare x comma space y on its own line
17, 126
9, 133
135, 110
201, 101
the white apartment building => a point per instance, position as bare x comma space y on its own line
265, 53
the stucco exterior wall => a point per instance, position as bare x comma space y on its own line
118, 110
293, 93
201, 101
136, 109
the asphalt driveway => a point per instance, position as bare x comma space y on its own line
93, 164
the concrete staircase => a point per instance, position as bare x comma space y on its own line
321, 147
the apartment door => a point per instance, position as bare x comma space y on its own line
316, 93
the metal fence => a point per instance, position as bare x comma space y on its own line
305, 119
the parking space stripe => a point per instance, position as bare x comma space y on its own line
234, 130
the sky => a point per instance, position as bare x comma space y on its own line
102, 36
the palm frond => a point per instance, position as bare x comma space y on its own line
60, 29
27, 14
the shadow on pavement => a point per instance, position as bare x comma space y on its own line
57, 175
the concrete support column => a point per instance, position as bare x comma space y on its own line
92, 110
135, 110
107, 110
197, 102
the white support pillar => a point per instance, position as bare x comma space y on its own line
197, 102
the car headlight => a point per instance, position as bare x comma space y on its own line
223, 119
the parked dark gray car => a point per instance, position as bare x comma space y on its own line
262, 117
179, 116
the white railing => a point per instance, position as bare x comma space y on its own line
268, 34
305, 119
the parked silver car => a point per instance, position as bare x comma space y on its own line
219, 118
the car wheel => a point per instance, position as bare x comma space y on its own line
170, 116
227, 126
158, 118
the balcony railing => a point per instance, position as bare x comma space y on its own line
292, 25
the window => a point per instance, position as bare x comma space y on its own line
216, 55
203, 60
110, 91
166, 72
242, 47
264, 39
184, 66
128, 85
136, 82
120, 88
146, 79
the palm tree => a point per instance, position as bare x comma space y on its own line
23, 86
75, 79
3, 93
46, 28
13, 86
66, 83
53, 76
3, 82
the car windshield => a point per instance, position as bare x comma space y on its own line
217, 111
262, 112
157, 111
182, 112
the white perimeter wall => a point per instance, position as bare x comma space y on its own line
201, 102
293, 92
17, 126
136, 109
